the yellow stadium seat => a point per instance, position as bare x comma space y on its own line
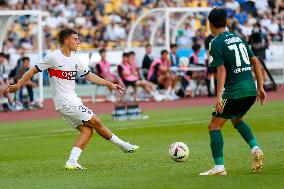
109, 8
84, 32
54, 33
198, 24
106, 20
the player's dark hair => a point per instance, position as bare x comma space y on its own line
125, 54
25, 58
102, 51
164, 51
196, 46
131, 53
218, 17
65, 33
148, 45
2, 54
173, 45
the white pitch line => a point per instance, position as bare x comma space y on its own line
164, 123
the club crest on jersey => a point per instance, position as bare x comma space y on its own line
76, 67
68, 75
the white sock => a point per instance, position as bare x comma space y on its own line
75, 154
219, 167
117, 141
255, 149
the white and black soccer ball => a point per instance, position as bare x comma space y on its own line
178, 151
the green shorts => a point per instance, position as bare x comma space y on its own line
235, 108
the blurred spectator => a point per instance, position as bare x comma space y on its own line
4, 81
193, 59
173, 55
103, 70
132, 60
259, 43
211, 72
147, 60
20, 70
129, 78
160, 74
105, 23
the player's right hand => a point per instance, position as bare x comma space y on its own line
118, 88
12, 88
261, 95
219, 105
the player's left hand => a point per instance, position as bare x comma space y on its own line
118, 88
261, 95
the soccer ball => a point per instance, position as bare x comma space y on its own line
178, 151
183, 62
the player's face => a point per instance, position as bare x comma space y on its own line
103, 55
125, 59
26, 64
165, 56
149, 50
132, 58
73, 42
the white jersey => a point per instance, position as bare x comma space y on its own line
62, 71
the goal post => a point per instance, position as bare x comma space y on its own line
165, 19
7, 18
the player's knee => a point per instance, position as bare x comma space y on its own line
87, 131
96, 122
212, 127
236, 121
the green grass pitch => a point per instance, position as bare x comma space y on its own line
33, 153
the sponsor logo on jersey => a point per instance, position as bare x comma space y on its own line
68, 75
239, 70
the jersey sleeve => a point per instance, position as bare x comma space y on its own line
83, 70
216, 55
44, 63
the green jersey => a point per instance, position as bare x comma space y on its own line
230, 50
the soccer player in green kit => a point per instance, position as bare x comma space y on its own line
236, 90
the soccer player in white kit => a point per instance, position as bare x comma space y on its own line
62, 67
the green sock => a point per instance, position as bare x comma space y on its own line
216, 145
246, 133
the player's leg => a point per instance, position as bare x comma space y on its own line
145, 85
150, 88
246, 132
80, 143
103, 131
85, 135
216, 144
174, 79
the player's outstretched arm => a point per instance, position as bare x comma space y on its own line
221, 77
258, 73
26, 77
100, 81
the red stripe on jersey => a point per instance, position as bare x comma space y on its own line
69, 75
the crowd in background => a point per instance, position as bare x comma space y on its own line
106, 23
